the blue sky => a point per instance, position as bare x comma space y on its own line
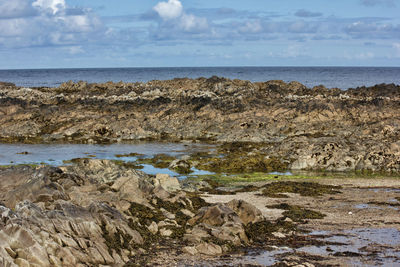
151, 33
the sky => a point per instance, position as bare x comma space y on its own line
179, 33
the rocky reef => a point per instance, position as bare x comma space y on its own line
304, 128
97, 213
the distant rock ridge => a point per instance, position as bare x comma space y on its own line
313, 128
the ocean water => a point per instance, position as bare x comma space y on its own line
339, 77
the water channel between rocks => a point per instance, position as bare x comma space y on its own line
56, 154
359, 246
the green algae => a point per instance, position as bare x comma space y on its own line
182, 170
297, 213
116, 241
161, 161
75, 160
260, 232
240, 163
128, 164
145, 214
133, 154
196, 201
213, 189
312, 189
225, 179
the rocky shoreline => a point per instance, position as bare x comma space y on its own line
305, 128
94, 212
98, 213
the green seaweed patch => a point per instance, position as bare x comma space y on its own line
213, 189
260, 232
172, 207
133, 154
75, 160
116, 241
199, 155
128, 164
148, 238
248, 177
177, 232
312, 189
161, 161
241, 163
196, 201
397, 198
239, 147
297, 213
180, 217
145, 214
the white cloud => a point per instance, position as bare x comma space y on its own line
50, 5
175, 19
169, 10
44, 22
190, 23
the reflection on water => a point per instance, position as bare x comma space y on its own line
54, 154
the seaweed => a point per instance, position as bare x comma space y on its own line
297, 213
213, 189
133, 154
242, 162
261, 231
248, 188
161, 161
127, 164
116, 241
145, 214
303, 188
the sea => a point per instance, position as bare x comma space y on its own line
331, 77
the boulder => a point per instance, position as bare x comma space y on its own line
180, 166
209, 249
247, 212
168, 183
215, 215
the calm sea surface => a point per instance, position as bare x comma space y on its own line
340, 77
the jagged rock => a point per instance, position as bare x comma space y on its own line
168, 183
215, 215
153, 228
218, 221
297, 122
190, 250
246, 212
180, 166
209, 249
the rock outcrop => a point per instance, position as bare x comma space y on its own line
311, 128
96, 212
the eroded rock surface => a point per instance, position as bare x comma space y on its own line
96, 212
311, 128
